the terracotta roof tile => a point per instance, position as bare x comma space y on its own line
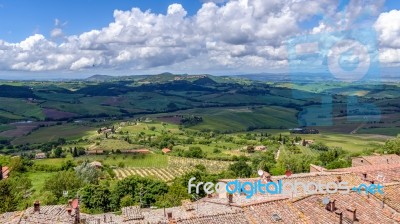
368, 209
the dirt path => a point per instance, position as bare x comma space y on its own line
278, 153
357, 128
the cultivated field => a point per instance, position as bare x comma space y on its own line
176, 167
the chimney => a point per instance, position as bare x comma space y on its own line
372, 181
364, 176
331, 206
230, 198
340, 214
351, 213
169, 215
69, 210
36, 207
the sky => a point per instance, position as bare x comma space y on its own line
74, 38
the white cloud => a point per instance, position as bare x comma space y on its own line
238, 35
56, 32
388, 28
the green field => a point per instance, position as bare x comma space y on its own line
46, 134
381, 131
150, 160
242, 118
350, 143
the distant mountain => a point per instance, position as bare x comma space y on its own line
299, 77
100, 78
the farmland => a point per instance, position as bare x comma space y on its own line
159, 130
176, 167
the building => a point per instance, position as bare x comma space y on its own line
96, 164
166, 150
95, 152
4, 172
375, 160
40, 155
260, 148
302, 207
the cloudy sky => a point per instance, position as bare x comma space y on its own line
84, 37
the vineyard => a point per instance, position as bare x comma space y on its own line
176, 167
165, 174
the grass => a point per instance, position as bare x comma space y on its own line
381, 131
241, 118
86, 106
38, 179
149, 160
5, 127
113, 144
55, 162
21, 107
46, 134
351, 143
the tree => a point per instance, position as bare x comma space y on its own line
144, 191
17, 164
194, 152
75, 152
57, 152
88, 173
127, 200
241, 169
319, 147
96, 198
331, 155
176, 193
68, 165
63, 181
250, 149
392, 146
264, 161
7, 198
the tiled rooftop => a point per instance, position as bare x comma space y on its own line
391, 196
228, 218
381, 159
367, 209
48, 214
384, 173
278, 211
266, 208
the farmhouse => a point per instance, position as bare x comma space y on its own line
307, 142
4, 171
260, 148
96, 164
95, 152
40, 155
166, 150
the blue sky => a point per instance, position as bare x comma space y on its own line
75, 37
22, 18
